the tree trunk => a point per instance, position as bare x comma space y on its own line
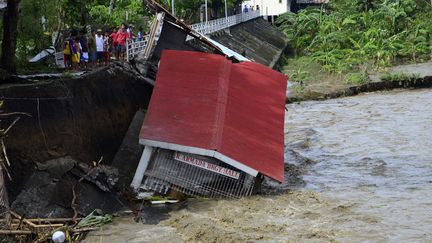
111, 7
10, 22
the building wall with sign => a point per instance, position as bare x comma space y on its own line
270, 7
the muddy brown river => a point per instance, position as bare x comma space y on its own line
359, 169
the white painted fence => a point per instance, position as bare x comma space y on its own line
223, 23
135, 47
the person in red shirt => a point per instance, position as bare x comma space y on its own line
113, 39
121, 38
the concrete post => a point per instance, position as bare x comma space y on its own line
172, 7
206, 12
142, 167
226, 11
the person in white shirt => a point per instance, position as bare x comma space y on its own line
99, 46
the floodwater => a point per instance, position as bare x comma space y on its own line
359, 170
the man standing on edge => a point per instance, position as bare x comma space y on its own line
99, 47
92, 48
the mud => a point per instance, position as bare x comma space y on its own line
362, 169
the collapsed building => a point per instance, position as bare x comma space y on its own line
214, 125
80, 118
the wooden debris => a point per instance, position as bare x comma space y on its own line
46, 220
40, 229
15, 232
23, 219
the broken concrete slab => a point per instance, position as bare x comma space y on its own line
57, 167
50, 190
34, 200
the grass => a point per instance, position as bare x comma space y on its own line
310, 80
356, 78
400, 76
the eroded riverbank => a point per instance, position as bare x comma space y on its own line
364, 172
329, 86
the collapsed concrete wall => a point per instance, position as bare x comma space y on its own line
257, 38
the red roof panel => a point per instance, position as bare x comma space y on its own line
235, 110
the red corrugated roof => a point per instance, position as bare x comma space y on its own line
205, 104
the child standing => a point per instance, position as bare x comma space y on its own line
77, 55
67, 51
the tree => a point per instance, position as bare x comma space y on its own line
111, 6
188, 10
10, 23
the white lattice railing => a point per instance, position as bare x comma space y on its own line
223, 23
135, 47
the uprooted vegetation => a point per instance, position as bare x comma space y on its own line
356, 36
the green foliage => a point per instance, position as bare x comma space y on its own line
354, 32
299, 72
356, 78
188, 10
400, 76
33, 33
130, 11
97, 218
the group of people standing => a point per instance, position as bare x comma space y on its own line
97, 49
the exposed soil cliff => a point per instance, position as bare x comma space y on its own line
84, 118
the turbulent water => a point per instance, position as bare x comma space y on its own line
358, 168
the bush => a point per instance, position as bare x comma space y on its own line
356, 31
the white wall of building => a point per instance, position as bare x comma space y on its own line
270, 7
